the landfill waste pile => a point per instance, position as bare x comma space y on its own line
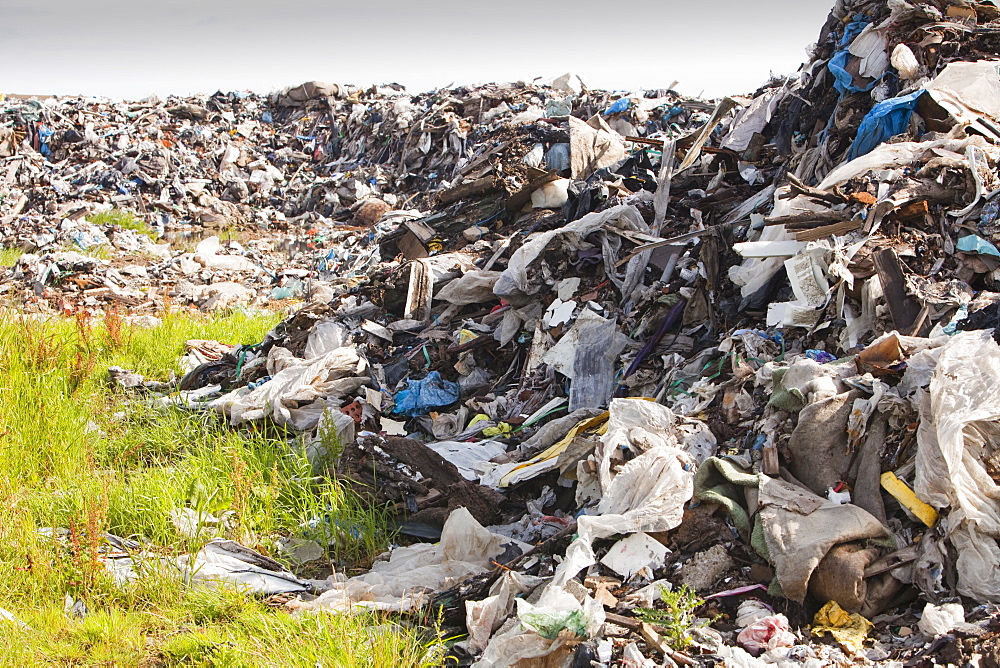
647, 381
237, 199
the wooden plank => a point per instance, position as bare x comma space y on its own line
827, 230
477, 187
903, 308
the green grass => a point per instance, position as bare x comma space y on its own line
76, 454
122, 218
102, 252
9, 256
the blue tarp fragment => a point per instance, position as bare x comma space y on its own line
421, 396
843, 80
618, 106
886, 119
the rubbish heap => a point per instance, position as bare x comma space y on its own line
299, 186
595, 349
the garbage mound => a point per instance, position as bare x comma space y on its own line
117, 203
648, 381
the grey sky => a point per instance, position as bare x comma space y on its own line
132, 49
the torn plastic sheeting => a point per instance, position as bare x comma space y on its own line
334, 374
411, 573
638, 425
325, 336
958, 431
483, 618
514, 284
886, 120
891, 156
513, 645
647, 494
967, 91
331, 420
558, 612
978, 166
473, 287
753, 119
592, 148
871, 47
754, 273
228, 562
190, 523
563, 355
506, 475
806, 274
593, 363
548, 629
468, 458
421, 396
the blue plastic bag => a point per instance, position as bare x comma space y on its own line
420, 396
44, 135
886, 119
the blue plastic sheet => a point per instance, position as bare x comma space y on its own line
821, 356
674, 111
421, 396
843, 80
976, 244
618, 106
886, 119
85, 239
44, 135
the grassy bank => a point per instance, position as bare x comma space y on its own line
84, 459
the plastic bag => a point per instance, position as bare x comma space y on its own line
937, 620
420, 396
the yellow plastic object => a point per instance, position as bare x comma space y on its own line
557, 449
906, 497
502, 429
479, 418
848, 629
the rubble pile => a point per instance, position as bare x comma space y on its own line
592, 350
300, 186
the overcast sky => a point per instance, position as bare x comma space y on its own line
132, 49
